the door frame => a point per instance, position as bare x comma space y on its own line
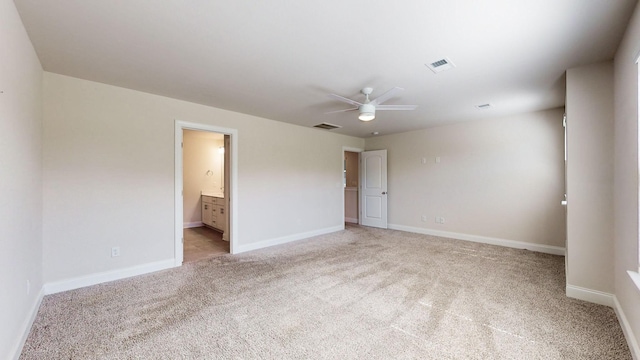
178, 192
356, 150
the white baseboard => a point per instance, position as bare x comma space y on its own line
25, 329
285, 239
192, 224
626, 329
351, 220
547, 249
99, 278
593, 296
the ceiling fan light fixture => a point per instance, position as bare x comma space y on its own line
367, 111
366, 116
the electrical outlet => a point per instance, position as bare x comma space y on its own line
115, 251
437, 159
441, 220
424, 160
424, 218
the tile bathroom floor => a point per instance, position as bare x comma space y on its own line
203, 243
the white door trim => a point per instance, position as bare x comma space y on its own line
351, 149
233, 191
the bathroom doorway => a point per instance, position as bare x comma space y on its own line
205, 168
350, 182
204, 208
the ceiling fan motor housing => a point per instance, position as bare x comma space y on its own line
367, 108
367, 112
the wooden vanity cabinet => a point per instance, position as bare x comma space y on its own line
214, 212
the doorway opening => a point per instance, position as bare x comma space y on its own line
204, 202
351, 184
205, 178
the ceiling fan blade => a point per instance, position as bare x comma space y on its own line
337, 111
386, 96
344, 99
396, 107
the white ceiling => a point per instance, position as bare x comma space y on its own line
279, 59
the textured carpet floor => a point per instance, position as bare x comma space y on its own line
361, 293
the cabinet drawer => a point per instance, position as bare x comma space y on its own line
207, 200
218, 201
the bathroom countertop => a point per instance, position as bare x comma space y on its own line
214, 194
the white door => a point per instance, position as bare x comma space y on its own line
373, 198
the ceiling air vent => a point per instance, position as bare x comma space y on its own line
441, 65
326, 126
483, 106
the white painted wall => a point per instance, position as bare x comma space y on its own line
499, 178
590, 177
109, 176
202, 170
20, 181
626, 177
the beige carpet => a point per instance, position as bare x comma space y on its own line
361, 293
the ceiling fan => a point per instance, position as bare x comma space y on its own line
368, 107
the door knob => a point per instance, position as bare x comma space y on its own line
384, 193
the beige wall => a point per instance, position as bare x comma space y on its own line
626, 175
20, 179
202, 170
590, 177
109, 176
499, 178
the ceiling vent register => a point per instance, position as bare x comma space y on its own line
441, 65
326, 126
